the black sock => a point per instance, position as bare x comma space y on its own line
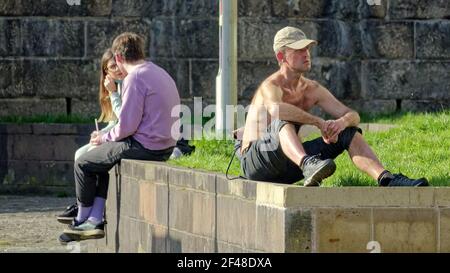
302, 161
384, 178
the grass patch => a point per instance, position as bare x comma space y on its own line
62, 118
418, 146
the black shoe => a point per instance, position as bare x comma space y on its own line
86, 230
68, 215
315, 170
400, 180
64, 239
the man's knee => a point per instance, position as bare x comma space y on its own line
346, 137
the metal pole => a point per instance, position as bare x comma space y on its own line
226, 80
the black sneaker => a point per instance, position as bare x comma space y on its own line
68, 215
86, 230
315, 170
400, 180
65, 239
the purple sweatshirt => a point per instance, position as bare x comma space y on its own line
148, 96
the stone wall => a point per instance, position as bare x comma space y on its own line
376, 58
153, 207
38, 158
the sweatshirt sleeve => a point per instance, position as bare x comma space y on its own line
116, 101
131, 113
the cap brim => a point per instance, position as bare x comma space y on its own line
302, 44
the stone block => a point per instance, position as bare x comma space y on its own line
52, 38
372, 106
432, 39
152, 206
101, 34
32, 106
13, 84
55, 8
37, 173
272, 194
444, 231
298, 231
425, 105
236, 222
428, 9
251, 75
12, 129
239, 188
387, 40
254, 8
203, 79
413, 80
194, 38
339, 39
195, 180
176, 8
181, 242
406, 230
373, 11
63, 78
192, 211
359, 197
270, 228
10, 37
86, 108
62, 129
315, 9
342, 230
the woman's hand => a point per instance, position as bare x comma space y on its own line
109, 84
96, 138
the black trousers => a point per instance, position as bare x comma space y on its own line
92, 168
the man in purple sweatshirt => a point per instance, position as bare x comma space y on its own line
144, 132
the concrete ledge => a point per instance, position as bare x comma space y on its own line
155, 207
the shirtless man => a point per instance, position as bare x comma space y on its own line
271, 149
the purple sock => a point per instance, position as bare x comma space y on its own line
96, 215
83, 213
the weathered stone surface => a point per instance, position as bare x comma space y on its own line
425, 105
156, 8
194, 38
86, 108
238, 188
433, 39
180, 242
63, 78
373, 11
372, 106
153, 199
254, 8
387, 40
342, 230
298, 230
405, 80
192, 211
10, 37
405, 9
315, 9
39, 174
204, 75
251, 74
401, 230
270, 228
102, 33
55, 38
32, 106
12, 80
444, 231
339, 39
236, 221
61, 129
55, 8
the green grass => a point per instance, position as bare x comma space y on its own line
418, 146
62, 118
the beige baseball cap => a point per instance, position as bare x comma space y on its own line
291, 37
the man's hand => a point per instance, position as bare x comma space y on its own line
332, 129
109, 84
96, 138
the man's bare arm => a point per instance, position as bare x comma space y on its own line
344, 116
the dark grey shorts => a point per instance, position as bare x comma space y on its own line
264, 159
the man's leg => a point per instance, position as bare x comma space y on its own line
364, 158
291, 144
